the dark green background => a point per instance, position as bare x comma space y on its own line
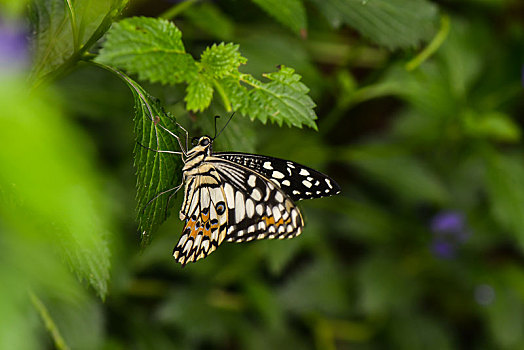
369, 271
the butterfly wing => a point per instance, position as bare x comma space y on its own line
205, 214
296, 180
258, 208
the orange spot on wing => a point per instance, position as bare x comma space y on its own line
271, 221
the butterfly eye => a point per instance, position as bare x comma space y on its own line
204, 142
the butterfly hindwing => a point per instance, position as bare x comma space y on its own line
296, 180
258, 208
205, 214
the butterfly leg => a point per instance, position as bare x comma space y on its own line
176, 189
158, 151
176, 137
187, 134
171, 196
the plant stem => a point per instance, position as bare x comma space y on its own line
49, 323
176, 9
433, 46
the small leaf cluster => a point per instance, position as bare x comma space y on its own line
153, 49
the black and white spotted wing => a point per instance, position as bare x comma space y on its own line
258, 208
296, 180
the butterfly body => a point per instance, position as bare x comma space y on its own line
242, 197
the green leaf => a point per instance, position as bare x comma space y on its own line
221, 60
283, 100
156, 172
505, 318
62, 32
288, 12
54, 191
198, 94
408, 177
208, 17
505, 185
391, 23
153, 49
492, 125
149, 47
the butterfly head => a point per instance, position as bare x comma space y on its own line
201, 147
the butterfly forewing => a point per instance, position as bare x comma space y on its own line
258, 208
296, 180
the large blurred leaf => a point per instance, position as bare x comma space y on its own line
51, 174
391, 23
406, 176
385, 288
505, 315
505, 185
208, 17
62, 31
289, 12
54, 217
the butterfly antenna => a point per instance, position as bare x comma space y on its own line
216, 118
223, 127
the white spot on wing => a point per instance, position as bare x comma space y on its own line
250, 207
230, 195
304, 172
267, 165
307, 183
279, 197
260, 209
256, 194
329, 183
252, 180
276, 214
286, 183
277, 175
239, 207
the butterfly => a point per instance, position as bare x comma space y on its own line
240, 197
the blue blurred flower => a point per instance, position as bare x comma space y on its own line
449, 231
13, 46
443, 249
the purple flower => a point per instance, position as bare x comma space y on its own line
443, 249
449, 231
13, 46
447, 222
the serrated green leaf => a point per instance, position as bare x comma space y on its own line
288, 12
156, 172
199, 93
391, 23
221, 60
237, 94
149, 47
283, 100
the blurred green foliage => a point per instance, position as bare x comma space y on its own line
419, 107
